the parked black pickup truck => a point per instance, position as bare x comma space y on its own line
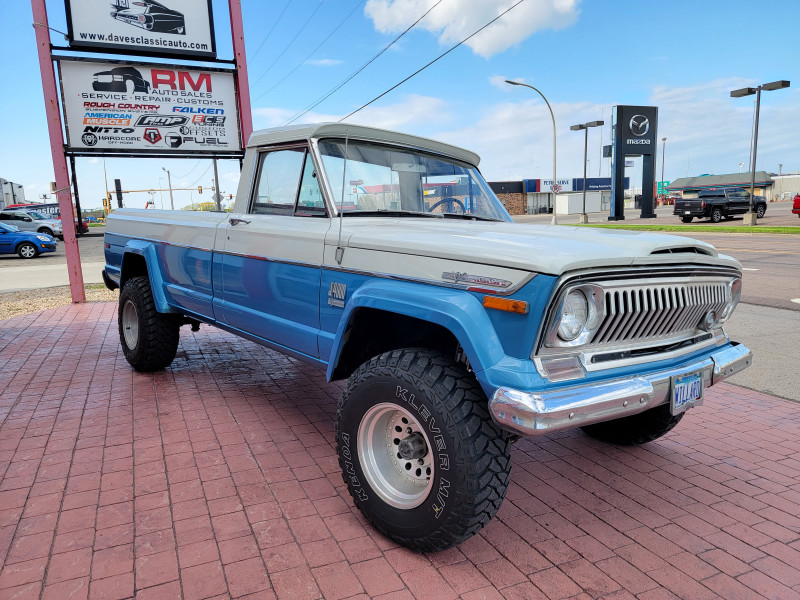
718, 203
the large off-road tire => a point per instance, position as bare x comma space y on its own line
686, 219
636, 429
149, 339
716, 215
419, 452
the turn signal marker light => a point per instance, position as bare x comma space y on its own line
506, 304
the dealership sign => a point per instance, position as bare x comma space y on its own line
182, 27
144, 108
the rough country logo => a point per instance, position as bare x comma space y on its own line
89, 139
152, 135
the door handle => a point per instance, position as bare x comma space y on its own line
235, 221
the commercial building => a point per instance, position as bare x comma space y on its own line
690, 187
11, 193
533, 196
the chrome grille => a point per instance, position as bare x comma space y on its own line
657, 311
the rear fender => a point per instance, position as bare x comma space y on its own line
458, 311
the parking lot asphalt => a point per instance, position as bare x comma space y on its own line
217, 478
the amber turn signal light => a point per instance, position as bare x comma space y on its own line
506, 304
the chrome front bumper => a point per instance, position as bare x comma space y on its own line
531, 413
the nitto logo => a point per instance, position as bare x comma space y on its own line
639, 125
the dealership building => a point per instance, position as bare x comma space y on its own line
533, 196
690, 187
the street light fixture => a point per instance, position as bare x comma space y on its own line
750, 217
169, 181
552, 116
585, 127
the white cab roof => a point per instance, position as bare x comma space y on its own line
293, 133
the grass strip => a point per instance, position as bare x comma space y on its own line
698, 228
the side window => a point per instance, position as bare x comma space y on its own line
5, 217
309, 201
278, 180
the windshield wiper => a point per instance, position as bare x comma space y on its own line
389, 213
467, 216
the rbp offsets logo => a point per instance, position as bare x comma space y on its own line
639, 125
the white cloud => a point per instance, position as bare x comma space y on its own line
454, 20
324, 62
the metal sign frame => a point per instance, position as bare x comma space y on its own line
158, 153
85, 46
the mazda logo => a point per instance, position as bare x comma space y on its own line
639, 125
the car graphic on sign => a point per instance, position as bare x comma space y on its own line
120, 79
149, 15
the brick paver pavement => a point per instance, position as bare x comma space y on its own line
217, 478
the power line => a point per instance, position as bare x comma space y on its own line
197, 164
274, 25
300, 64
289, 45
394, 87
364, 66
201, 176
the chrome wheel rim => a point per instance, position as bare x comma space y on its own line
28, 251
130, 325
402, 482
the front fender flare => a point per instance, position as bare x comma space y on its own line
458, 311
147, 250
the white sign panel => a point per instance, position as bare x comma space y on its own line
182, 27
139, 108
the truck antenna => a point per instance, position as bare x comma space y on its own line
339, 248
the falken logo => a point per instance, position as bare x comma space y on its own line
639, 125
479, 279
336, 294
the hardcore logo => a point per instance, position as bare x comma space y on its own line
152, 135
89, 139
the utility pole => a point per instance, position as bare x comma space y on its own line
216, 186
169, 182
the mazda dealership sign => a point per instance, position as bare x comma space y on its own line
142, 108
163, 27
637, 128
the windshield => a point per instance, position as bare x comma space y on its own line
9, 227
406, 181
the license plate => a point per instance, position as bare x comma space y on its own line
687, 212
687, 391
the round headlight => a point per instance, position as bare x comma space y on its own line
573, 316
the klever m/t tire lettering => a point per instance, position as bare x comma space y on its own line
422, 458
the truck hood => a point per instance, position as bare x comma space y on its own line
550, 249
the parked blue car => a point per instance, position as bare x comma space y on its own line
27, 245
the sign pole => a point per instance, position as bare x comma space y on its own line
242, 82
57, 150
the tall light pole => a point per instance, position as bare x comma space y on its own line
663, 150
169, 181
750, 217
553, 117
585, 127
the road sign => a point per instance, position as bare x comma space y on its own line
555, 188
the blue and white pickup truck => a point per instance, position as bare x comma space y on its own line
386, 259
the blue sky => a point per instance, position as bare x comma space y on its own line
683, 57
